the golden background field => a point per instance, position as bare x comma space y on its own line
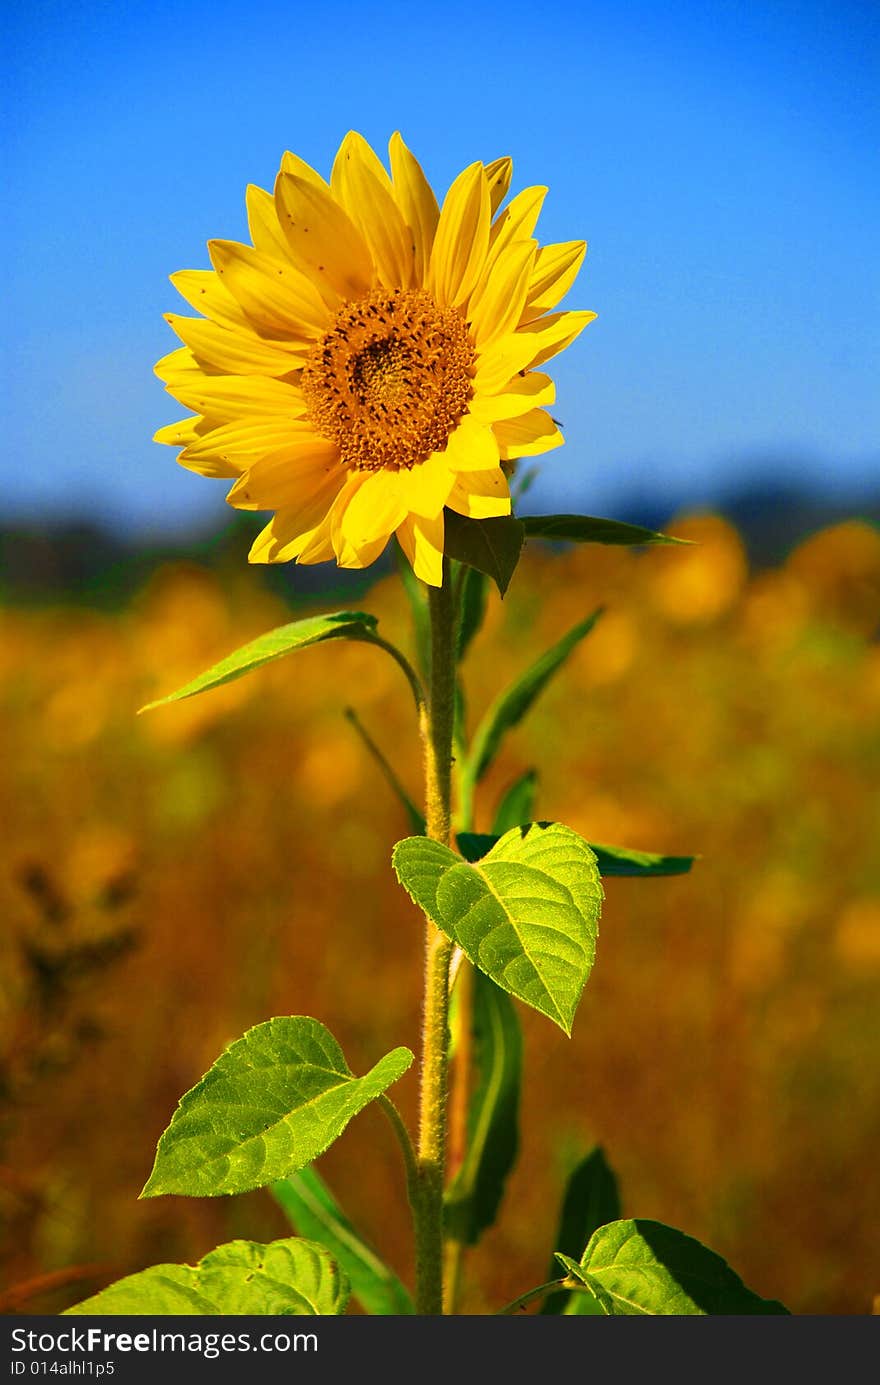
169, 880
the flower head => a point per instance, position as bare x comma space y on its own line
372, 358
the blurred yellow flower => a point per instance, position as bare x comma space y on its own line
372, 357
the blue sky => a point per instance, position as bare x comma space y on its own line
720, 159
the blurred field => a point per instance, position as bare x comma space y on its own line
168, 880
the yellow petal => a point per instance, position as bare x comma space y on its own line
523, 393
534, 433
472, 447
480, 494
366, 195
288, 478
496, 306
181, 365
424, 488
179, 434
314, 546
422, 542
374, 509
355, 146
237, 396
292, 163
462, 238
279, 300
498, 175
203, 291
239, 444
234, 352
530, 345
324, 242
556, 269
553, 334
266, 233
517, 221
417, 202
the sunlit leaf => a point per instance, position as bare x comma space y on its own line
286, 639
314, 1212
272, 1102
474, 1196
290, 1277
510, 708
643, 1267
526, 914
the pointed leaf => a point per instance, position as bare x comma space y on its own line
416, 820
518, 804
643, 1267
474, 593
491, 546
290, 1277
270, 1104
474, 1196
588, 529
527, 914
591, 1199
622, 860
314, 1212
299, 634
611, 860
510, 708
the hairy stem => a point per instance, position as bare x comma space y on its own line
437, 727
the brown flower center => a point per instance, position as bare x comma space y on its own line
391, 379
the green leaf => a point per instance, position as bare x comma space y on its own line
474, 1196
588, 529
491, 546
510, 708
611, 860
272, 1102
591, 1199
299, 634
291, 1278
416, 820
622, 860
527, 914
314, 1212
643, 1267
474, 593
518, 804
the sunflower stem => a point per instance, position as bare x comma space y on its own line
437, 727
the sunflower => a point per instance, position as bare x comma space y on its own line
371, 358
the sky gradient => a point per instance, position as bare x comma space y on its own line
720, 159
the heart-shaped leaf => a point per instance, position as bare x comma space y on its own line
270, 1104
290, 1277
643, 1267
526, 914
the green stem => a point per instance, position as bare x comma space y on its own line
437, 726
398, 1125
533, 1294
